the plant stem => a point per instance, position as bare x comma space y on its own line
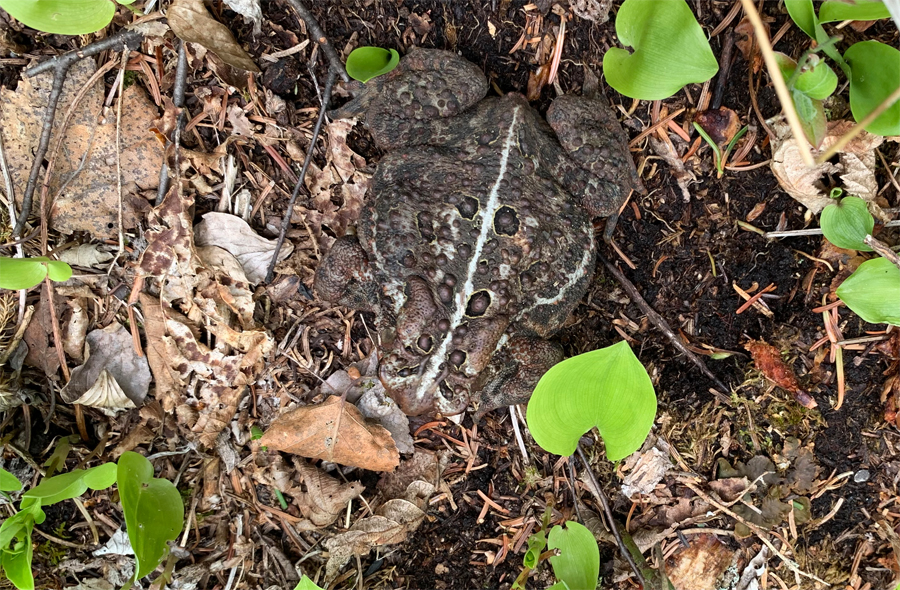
595, 487
781, 89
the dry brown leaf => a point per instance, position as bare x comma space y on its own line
191, 21
391, 524
240, 124
720, 124
856, 167
699, 566
335, 431
647, 468
424, 467
89, 197
746, 42
235, 235
38, 337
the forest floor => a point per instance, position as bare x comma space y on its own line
695, 251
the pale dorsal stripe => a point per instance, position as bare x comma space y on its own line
432, 369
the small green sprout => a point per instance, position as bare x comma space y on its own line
365, 63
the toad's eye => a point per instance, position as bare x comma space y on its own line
425, 343
478, 304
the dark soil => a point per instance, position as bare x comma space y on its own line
688, 256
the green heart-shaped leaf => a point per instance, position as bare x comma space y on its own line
818, 81
578, 562
63, 17
606, 388
307, 584
9, 482
670, 50
847, 222
872, 292
71, 485
25, 273
365, 63
840, 10
17, 566
154, 511
875, 75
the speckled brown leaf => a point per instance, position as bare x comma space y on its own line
191, 21
335, 431
89, 199
768, 361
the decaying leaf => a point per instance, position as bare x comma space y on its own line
324, 499
84, 181
235, 235
646, 468
335, 431
105, 395
85, 255
250, 10
376, 405
855, 168
191, 21
769, 362
699, 566
393, 522
720, 124
113, 371
341, 176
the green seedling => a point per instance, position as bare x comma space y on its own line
847, 223
63, 17
25, 273
606, 388
16, 547
307, 584
871, 292
578, 563
365, 63
670, 50
154, 511
873, 68
809, 83
720, 156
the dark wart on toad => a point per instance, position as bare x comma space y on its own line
476, 240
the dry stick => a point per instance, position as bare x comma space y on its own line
609, 517
286, 220
882, 249
125, 53
11, 204
178, 92
813, 231
781, 89
663, 327
859, 127
316, 31
60, 66
724, 69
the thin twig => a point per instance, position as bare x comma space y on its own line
609, 517
178, 92
812, 231
663, 327
11, 204
60, 66
315, 31
882, 249
781, 89
286, 220
121, 82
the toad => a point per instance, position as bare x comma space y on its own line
476, 241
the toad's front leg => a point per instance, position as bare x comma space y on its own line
515, 372
344, 276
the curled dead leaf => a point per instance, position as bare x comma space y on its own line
855, 167
105, 395
769, 362
235, 235
191, 21
335, 431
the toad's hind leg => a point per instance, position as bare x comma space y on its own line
588, 130
345, 277
515, 371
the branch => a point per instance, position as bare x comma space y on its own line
315, 31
